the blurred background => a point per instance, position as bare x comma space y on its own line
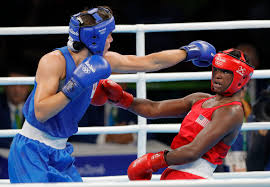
23, 52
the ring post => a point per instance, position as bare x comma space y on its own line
141, 91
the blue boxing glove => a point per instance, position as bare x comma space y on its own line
201, 53
90, 71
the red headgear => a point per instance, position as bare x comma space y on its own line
241, 70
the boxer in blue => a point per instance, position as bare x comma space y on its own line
65, 83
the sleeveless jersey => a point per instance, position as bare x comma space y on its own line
65, 123
193, 123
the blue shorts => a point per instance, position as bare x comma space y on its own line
31, 161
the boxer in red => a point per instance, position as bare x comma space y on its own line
207, 131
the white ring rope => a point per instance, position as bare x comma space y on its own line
171, 183
218, 176
153, 128
194, 26
149, 77
247, 179
226, 175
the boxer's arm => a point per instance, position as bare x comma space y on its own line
48, 102
152, 62
145, 107
201, 53
165, 108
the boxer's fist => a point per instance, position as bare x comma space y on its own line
201, 53
116, 94
90, 71
100, 97
143, 167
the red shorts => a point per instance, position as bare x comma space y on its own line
171, 174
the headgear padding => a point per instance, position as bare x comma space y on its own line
241, 70
93, 36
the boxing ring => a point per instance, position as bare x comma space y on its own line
247, 179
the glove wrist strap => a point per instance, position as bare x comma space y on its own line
126, 100
72, 89
192, 52
158, 160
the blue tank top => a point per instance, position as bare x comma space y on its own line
65, 123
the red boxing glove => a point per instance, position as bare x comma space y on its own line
116, 94
143, 167
100, 97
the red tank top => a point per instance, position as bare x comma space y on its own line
193, 123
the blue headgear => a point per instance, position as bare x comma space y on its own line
93, 36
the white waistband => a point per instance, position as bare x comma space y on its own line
200, 167
33, 133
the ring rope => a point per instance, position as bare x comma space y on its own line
240, 177
153, 128
149, 77
170, 183
170, 27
